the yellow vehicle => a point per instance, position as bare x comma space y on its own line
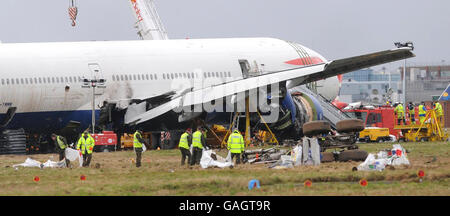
374, 134
428, 130
126, 140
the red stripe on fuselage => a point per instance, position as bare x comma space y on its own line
305, 61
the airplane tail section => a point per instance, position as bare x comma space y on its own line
445, 96
148, 23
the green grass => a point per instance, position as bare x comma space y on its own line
162, 174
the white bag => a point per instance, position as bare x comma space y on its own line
207, 161
371, 164
296, 155
72, 155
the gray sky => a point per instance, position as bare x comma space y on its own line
334, 28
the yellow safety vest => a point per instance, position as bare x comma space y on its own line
422, 112
197, 139
236, 143
438, 109
136, 142
399, 110
61, 143
86, 144
184, 141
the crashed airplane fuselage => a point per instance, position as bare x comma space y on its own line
156, 84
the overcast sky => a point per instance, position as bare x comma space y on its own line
334, 28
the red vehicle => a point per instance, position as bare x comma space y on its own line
105, 141
383, 117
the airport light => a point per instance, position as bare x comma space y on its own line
410, 45
93, 83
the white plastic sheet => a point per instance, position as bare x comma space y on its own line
207, 161
29, 163
34, 163
72, 155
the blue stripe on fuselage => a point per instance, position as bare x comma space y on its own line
49, 122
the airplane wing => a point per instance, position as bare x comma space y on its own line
293, 77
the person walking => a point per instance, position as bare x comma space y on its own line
61, 143
184, 145
86, 143
235, 145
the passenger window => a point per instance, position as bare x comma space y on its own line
176, 75
12, 81
171, 75
164, 76
156, 76
7, 81
26, 81
67, 80
3, 82
229, 74
146, 76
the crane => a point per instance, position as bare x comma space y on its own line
148, 22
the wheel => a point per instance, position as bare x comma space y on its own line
352, 155
316, 128
326, 157
105, 149
350, 125
380, 140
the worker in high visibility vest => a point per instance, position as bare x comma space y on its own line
439, 111
184, 145
86, 143
138, 144
422, 112
198, 143
412, 113
400, 113
235, 145
61, 143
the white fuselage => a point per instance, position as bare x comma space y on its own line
45, 77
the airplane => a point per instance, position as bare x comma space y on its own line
41, 84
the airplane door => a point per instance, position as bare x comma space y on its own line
248, 70
245, 68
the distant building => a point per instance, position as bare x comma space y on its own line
370, 86
423, 82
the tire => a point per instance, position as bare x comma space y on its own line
316, 128
326, 157
105, 149
380, 140
350, 125
352, 155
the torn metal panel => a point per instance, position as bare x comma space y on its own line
134, 110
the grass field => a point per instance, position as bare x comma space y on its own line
162, 174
